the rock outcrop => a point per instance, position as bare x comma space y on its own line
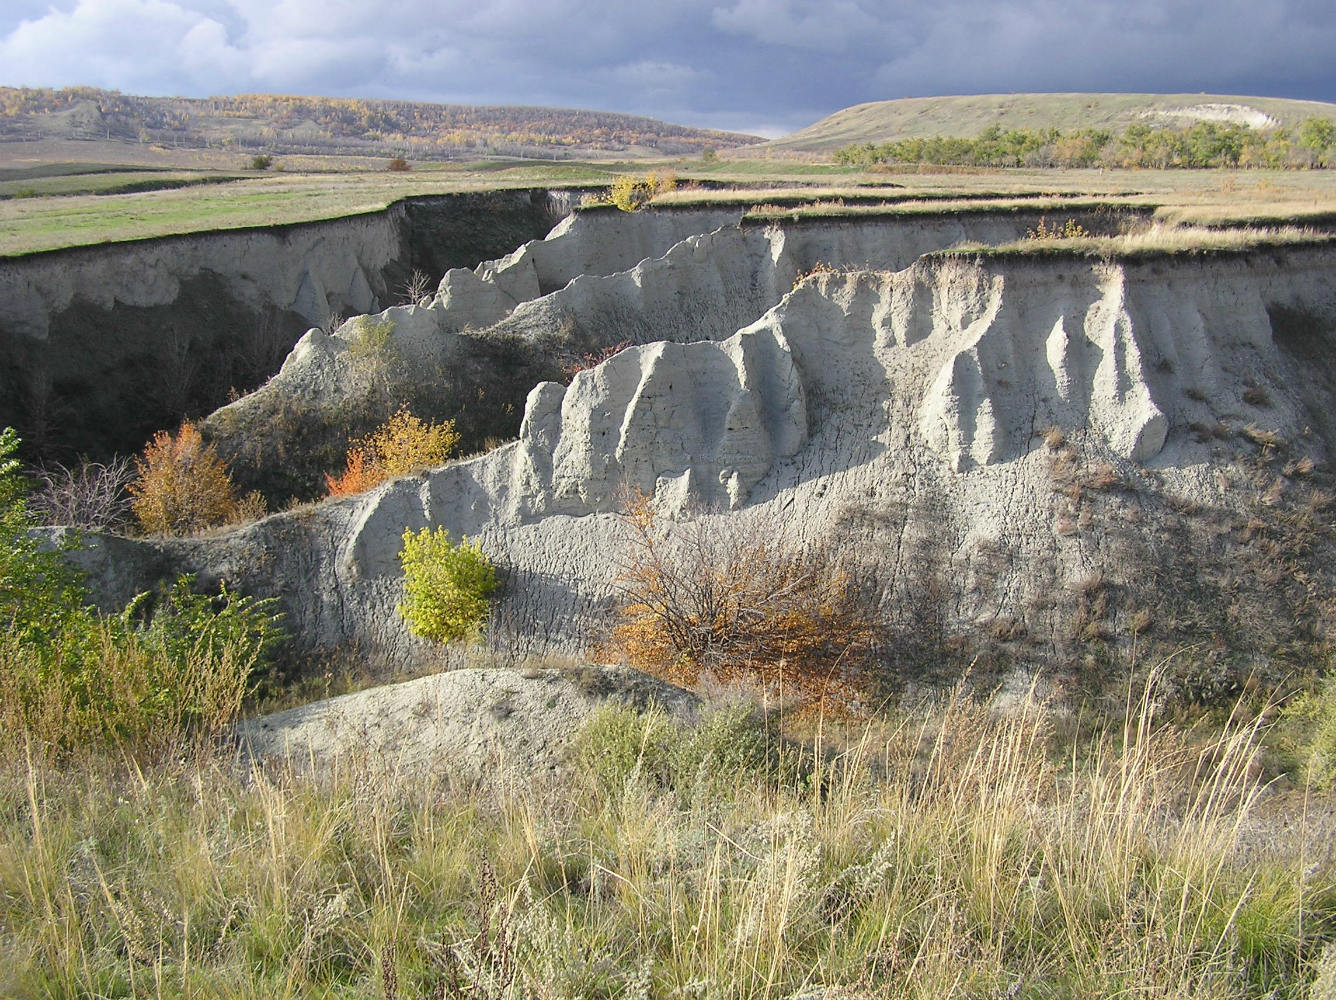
490, 334
1051, 451
477, 724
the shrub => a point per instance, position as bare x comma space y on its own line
734, 604
39, 590
183, 486
399, 165
631, 192
145, 688
1069, 230
730, 748
446, 586
261, 162
1315, 712
71, 678
402, 445
593, 359
93, 495
416, 287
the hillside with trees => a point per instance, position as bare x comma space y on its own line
968, 116
1202, 145
271, 123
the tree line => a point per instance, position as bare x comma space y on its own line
256, 119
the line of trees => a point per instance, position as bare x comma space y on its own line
1206, 144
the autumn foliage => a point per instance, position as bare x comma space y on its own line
182, 486
401, 445
736, 605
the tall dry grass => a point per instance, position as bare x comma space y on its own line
950, 853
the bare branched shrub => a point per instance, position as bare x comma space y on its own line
593, 359
735, 603
92, 495
333, 320
416, 287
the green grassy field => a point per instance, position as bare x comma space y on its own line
205, 202
63, 207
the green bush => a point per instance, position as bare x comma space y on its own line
1315, 713
39, 591
446, 586
74, 679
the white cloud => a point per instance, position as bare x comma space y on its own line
122, 44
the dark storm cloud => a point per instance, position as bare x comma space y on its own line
747, 64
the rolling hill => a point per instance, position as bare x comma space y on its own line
268, 123
966, 117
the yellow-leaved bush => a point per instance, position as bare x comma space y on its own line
401, 445
630, 191
446, 585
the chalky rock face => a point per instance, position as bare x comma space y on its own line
1068, 358
900, 418
585, 243
599, 279
705, 420
103, 345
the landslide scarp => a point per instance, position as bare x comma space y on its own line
600, 279
103, 346
1020, 454
1021, 459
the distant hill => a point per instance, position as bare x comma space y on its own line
267, 123
966, 117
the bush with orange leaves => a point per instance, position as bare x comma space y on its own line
734, 604
401, 445
183, 486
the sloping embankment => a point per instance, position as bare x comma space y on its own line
600, 279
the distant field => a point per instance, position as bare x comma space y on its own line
54, 205
105, 183
189, 202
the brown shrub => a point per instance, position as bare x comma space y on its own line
183, 486
733, 604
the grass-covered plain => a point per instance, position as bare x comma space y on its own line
58, 210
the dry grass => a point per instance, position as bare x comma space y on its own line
1158, 238
946, 853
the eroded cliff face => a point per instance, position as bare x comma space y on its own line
104, 345
1044, 455
599, 279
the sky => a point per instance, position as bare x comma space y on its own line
766, 67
